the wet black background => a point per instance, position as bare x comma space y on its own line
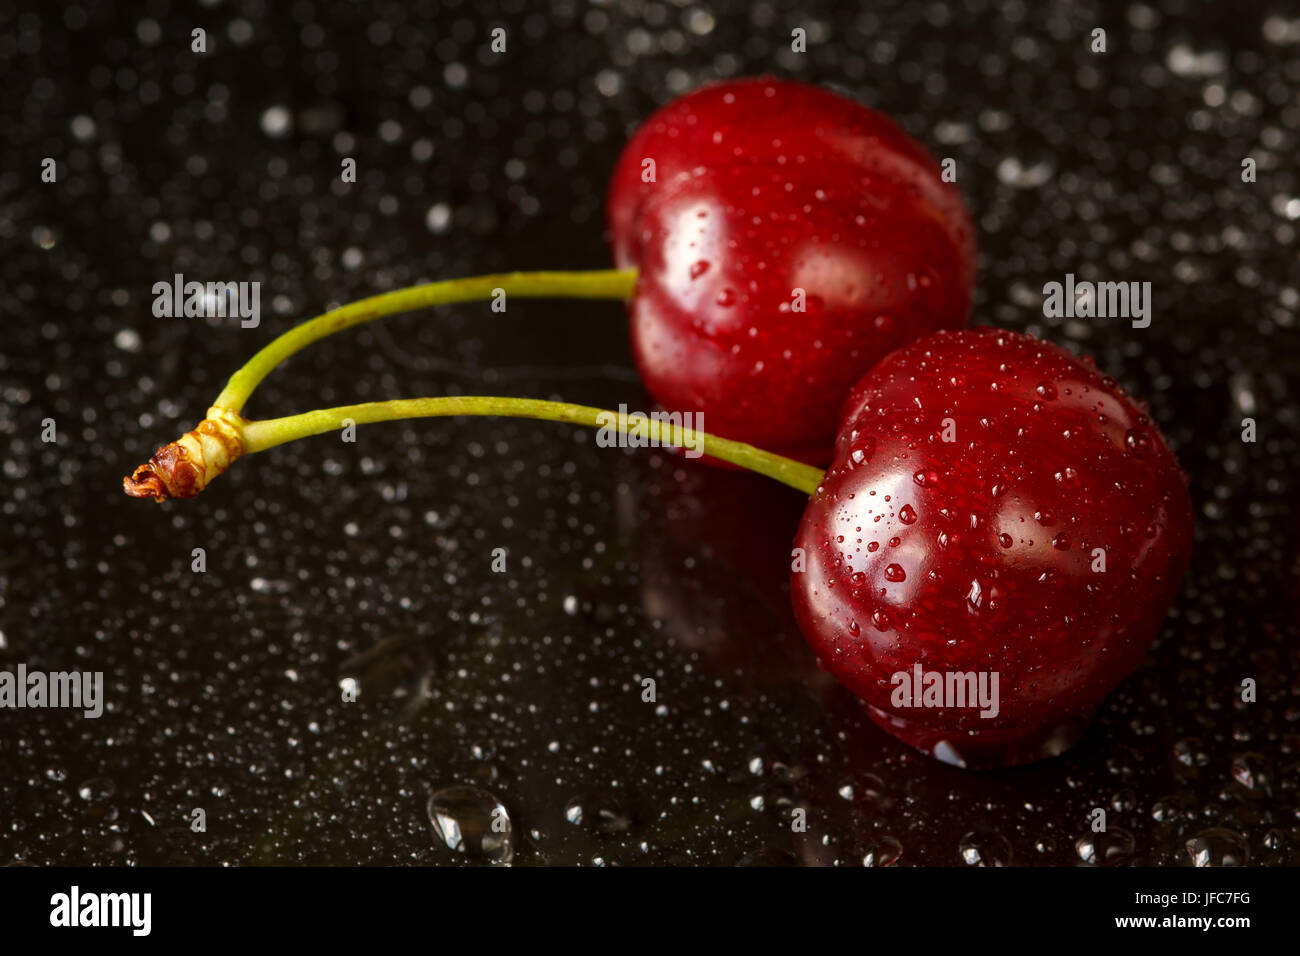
372, 561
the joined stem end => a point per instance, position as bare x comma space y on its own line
183, 468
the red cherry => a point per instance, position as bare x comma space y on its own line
762, 188
994, 505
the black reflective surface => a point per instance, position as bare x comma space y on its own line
372, 562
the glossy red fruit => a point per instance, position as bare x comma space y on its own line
761, 188
994, 505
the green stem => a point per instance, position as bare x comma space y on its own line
602, 284
261, 435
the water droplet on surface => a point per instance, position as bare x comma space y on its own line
1218, 846
277, 122
599, 812
985, 847
1190, 752
895, 573
882, 851
474, 823
907, 514
97, 788
1019, 174
1169, 809
1111, 846
83, 127
128, 340
438, 218
1183, 61
1251, 771
269, 586
771, 761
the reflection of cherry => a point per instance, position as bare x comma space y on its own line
714, 580
790, 239
994, 505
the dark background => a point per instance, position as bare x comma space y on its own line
372, 561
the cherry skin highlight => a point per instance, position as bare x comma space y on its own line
994, 505
763, 188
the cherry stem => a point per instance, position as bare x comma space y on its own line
184, 467
261, 435
595, 284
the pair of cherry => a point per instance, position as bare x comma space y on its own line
1001, 529
995, 509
